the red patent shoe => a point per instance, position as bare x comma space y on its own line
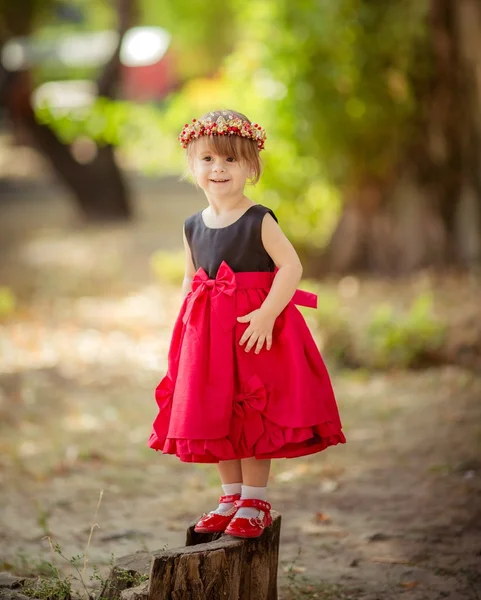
250, 527
217, 521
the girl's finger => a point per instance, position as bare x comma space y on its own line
244, 318
260, 343
268, 342
251, 342
245, 336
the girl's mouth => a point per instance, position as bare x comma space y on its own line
219, 180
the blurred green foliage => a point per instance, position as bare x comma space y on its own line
202, 32
388, 338
168, 267
330, 81
136, 129
404, 340
8, 302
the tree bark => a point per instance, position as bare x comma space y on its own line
429, 214
209, 567
225, 569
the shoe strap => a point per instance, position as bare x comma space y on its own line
229, 498
254, 503
227, 513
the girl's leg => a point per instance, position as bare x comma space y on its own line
231, 476
255, 475
230, 473
255, 472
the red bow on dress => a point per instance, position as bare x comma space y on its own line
247, 423
222, 297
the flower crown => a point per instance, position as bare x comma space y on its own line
231, 126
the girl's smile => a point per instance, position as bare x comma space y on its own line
216, 174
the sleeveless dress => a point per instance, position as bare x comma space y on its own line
218, 402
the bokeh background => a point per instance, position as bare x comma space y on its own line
373, 167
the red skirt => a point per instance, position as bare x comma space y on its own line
218, 402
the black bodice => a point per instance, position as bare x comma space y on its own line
239, 244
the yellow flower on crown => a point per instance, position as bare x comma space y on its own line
222, 126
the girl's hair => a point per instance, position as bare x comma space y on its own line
242, 149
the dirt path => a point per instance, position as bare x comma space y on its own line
394, 512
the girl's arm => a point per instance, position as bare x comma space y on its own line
285, 258
261, 321
189, 269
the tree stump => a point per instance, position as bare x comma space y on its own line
208, 567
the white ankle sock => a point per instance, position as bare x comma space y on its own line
249, 491
229, 488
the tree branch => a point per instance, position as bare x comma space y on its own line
127, 15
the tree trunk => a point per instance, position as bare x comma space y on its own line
97, 185
430, 214
209, 567
225, 569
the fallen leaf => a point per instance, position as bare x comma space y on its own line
323, 518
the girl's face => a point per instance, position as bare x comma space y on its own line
219, 176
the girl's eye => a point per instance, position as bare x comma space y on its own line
231, 159
207, 158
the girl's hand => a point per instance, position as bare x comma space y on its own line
259, 330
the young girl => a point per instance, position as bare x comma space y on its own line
245, 380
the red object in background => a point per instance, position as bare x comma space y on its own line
150, 82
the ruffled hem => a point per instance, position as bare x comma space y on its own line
276, 442
251, 433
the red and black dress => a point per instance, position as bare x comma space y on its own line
218, 402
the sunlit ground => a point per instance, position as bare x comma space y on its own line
394, 510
